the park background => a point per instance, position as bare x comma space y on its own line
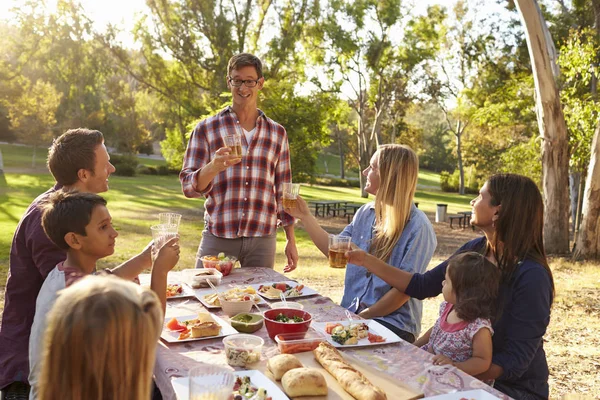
452, 79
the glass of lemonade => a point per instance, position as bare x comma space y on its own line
235, 143
290, 194
210, 382
338, 246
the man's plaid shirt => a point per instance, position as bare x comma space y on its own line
243, 200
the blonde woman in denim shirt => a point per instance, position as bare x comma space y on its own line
390, 228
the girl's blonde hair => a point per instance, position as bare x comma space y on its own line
398, 173
101, 341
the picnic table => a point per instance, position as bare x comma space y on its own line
400, 362
463, 218
326, 208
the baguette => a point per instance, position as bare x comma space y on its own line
351, 380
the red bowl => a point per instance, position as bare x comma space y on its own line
274, 328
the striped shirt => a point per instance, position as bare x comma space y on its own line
241, 201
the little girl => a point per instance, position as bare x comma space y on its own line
462, 335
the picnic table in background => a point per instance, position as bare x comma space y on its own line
400, 362
326, 208
463, 218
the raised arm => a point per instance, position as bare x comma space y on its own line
317, 234
131, 268
387, 304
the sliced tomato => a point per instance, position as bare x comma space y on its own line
184, 334
373, 338
174, 325
281, 286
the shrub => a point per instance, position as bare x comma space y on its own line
125, 164
450, 182
337, 182
146, 170
162, 170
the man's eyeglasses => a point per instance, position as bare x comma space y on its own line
240, 82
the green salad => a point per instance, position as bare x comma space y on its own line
283, 318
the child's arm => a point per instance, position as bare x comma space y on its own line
482, 355
423, 340
165, 261
388, 303
131, 268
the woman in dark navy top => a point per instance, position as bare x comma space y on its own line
510, 212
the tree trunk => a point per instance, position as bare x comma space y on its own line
341, 151
588, 240
2, 177
461, 170
553, 130
33, 157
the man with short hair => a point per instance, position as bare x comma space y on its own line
78, 160
243, 206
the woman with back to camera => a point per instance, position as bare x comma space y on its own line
101, 341
510, 212
392, 229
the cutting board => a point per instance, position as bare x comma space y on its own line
394, 390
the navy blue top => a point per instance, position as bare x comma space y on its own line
518, 333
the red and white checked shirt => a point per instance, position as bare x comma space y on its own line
241, 201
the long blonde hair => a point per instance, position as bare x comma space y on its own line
101, 342
398, 173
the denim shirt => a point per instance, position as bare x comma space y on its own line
412, 253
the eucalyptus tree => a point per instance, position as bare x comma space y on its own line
184, 48
372, 49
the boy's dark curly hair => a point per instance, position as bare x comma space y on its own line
475, 282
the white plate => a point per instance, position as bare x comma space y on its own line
258, 379
200, 293
306, 291
186, 292
171, 336
374, 327
478, 394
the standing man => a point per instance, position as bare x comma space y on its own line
242, 208
78, 160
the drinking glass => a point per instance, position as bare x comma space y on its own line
338, 246
235, 143
290, 194
171, 219
161, 234
210, 382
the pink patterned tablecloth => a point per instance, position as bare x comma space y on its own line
401, 361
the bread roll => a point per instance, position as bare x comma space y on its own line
350, 379
281, 364
299, 382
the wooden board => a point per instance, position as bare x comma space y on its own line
394, 390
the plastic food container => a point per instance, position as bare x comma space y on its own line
196, 277
290, 304
242, 349
234, 307
224, 264
274, 327
290, 343
247, 323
